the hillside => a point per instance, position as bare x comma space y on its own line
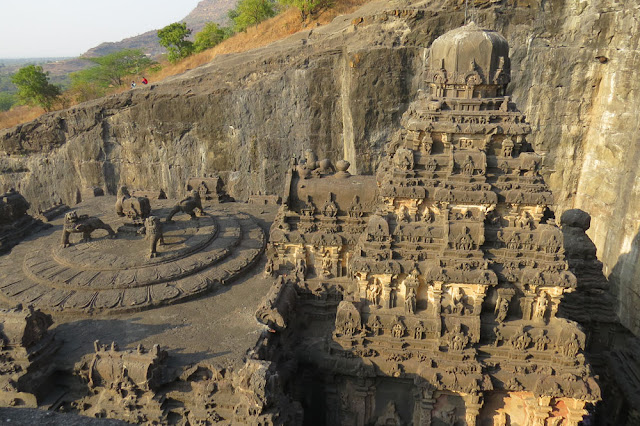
341, 90
205, 11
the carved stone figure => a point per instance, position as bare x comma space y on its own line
300, 270
468, 167
542, 342
418, 331
82, 224
541, 307
309, 208
457, 301
347, 319
189, 205
464, 241
410, 301
153, 231
502, 309
572, 346
137, 208
326, 264
520, 340
330, 209
525, 220
376, 326
373, 292
456, 339
403, 159
398, 328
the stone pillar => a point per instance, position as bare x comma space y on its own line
473, 404
576, 412
363, 403
526, 303
386, 292
437, 298
478, 299
363, 281
538, 410
423, 404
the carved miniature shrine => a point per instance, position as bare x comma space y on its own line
428, 294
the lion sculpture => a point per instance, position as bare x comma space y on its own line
187, 205
84, 224
153, 231
136, 208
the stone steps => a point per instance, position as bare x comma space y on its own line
238, 244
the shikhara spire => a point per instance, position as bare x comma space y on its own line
447, 269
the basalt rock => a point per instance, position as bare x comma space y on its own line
341, 91
26, 351
442, 277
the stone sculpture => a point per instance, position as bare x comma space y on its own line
459, 231
82, 224
153, 233
191, 205
135, 208
26, 349
15, 223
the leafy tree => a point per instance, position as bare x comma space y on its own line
34, 87
210, 35
112, 69
7, 100
307, 7
251, 12
174, 38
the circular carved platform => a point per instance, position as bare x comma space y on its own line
116, 275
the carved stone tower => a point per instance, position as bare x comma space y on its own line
446, 275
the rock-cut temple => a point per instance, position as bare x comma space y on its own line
429, 293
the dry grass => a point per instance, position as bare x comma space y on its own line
276, 28
19, 115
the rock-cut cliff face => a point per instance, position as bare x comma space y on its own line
341, 90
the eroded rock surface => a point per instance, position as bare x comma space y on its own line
341, 90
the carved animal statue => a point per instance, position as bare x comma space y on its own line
84, 224
187, 205
132, 207
153, 229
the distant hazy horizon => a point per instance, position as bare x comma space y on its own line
36, 29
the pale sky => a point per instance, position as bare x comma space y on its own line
50, 28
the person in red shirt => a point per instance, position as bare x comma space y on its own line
144, 80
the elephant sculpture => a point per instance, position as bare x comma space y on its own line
187, 205
136, 208
84, 224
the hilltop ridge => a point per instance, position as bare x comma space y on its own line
206, 11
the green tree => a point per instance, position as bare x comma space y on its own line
307, 7
112, 69
174, 38
34, 87
251, 12
210, 35
7, 100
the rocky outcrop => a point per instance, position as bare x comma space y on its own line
340, 90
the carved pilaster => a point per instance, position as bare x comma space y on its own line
363, 402
473, 404
537, 410
576, 412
